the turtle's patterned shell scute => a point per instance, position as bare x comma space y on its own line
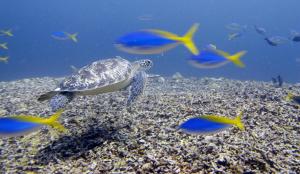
98, 74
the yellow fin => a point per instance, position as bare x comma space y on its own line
186, 40
165, 34
289, 97
52, 121
221, 119
238, 122
73, 37
236, 58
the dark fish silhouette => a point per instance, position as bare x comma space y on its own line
277, 81
260, 30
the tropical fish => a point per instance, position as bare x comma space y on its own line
291, 97
24, 124
4, 59
210, 124
236, 27
6, 33
59, 35
234, 36
213, 58
4, 46
277, 81
296, 38
153, 41
145, 17
260, 30
211, 46
275, 40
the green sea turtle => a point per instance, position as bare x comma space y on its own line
100, 77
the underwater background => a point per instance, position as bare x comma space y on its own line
34, 53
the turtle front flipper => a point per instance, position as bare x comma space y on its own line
137, 87
47, 96
60, 100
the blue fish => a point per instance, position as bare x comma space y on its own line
210, 124
21, 125
59, 35
213, 58
154, 41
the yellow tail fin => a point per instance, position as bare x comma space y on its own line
52, 121
4, 46
236, 58
289, 97
187, 39
73, 37
238, 122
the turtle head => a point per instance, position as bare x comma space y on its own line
144, 65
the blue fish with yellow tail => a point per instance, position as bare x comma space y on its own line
294, 98
153, 41
24, 124
59, 35
214, 58
210, 124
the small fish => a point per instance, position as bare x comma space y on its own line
211, 46
213, 58
24, 124
236, 27
152, 41
4, 59
234, 36
6, 33
210, 124
260, 30
278, 81
291, 97
296, 38
59, 35
4, 46
145, 17
275, 40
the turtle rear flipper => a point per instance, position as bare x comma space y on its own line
137, 87
47, 96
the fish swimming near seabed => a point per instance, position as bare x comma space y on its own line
154, 41
59, 35
292, 97
214, 58
24, 124
208, 124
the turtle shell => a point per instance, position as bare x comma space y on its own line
97, 75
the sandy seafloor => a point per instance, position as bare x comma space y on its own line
105, 137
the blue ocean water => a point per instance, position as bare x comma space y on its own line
34, 53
